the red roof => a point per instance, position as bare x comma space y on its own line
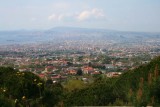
41, 75
88, 68
56, 77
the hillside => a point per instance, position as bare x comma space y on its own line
141, 85
138, 87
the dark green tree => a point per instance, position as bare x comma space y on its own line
79, 72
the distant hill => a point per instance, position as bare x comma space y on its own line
77, 29
73, 33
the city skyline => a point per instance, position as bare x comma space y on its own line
125, 15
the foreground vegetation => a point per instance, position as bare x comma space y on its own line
138, 87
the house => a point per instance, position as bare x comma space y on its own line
42, 75
58, 77
87, 70
72, 72
113, 74
95, 73
50, 68
22, 69
109, 66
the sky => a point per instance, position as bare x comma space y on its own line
124, 15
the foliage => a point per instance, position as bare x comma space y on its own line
52, 95
4, 102
79, 72
138, 87
72, 85
21, 86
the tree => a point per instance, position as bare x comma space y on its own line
79, 72
4, 102
52, 95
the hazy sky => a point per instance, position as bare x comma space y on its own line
127, 15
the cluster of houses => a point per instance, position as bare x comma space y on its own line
50, 72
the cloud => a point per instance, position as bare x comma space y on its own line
91, 14
84, 15
56, 17
98, 13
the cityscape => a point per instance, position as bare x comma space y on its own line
58, 53
62, 58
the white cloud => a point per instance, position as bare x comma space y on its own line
52, 17
84, 15
56, 17
91, 14
98, 12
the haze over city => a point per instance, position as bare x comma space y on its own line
123, 15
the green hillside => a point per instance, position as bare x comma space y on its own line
138, 87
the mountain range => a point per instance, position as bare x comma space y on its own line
73, 33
